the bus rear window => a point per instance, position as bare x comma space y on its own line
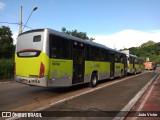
37, 38
29, 53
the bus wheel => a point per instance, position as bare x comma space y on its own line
94, 80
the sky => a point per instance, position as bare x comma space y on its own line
115, 23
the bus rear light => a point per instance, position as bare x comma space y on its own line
42, 69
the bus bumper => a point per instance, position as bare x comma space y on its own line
32, 81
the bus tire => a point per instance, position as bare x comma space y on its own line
94, 80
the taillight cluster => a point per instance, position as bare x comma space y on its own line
42, 69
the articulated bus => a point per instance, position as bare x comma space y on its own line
134, 64
46, 57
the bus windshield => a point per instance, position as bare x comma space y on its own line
29, 45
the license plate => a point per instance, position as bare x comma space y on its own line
24, 81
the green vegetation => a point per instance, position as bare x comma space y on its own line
6, 53
75, 33
149, 50
6, 68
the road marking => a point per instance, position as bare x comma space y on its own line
132, 102
146, 98
77, 95
83, 93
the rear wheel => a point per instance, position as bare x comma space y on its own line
94, 80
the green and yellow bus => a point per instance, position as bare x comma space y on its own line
134, 64
45, 57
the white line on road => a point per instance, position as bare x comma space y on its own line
83, 93
132, 102
146, 98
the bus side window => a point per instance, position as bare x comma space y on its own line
95, 54
59, 47
121, 59
104, 55
53, 52
87, 53
117, 57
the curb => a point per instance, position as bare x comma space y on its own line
135, 99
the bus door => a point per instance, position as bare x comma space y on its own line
125, 65
112, 65
78, 62
134, 64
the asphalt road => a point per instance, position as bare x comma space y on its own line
113, 97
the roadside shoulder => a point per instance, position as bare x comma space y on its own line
4, 81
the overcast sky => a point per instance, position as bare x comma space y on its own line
114, 23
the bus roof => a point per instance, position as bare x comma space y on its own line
72, 38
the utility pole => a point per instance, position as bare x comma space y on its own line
35, 8
20, 23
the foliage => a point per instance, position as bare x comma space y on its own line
75, 33
149, 49
6, 68
6, 53
149, 43
6, 43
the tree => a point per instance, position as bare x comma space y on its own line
149, 43
149, 49
75, 33
6, 43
